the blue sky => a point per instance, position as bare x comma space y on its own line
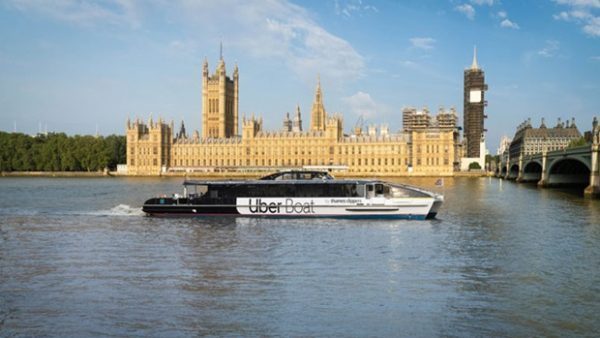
77, 66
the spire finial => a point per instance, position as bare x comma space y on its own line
318, 90
474, 66
221, 50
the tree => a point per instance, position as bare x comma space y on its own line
57, 151
577, 142
474, 166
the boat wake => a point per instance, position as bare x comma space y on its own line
119, 210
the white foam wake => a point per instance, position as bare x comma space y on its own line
119, 210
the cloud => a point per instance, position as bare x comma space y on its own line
564, 16
595, 58
592, 27
580, 3
361, 104
502, 14
483, 2
349, 7
550, 49
422, 43
275, 29
278, 30
509, 24
84, 12
582, 12
467, 10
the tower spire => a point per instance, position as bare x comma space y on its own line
474, 66
318, 114
221, 50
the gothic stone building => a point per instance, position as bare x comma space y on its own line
529, 140
153, 149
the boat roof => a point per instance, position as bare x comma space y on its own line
306, 182
269, 182
295, 177
285, 177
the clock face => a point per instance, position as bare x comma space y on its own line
475, 96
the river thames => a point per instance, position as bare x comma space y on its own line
78, 258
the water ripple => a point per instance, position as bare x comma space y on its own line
77, 258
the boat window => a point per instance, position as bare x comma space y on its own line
200, 190
378, 189
360, 190
225, 193
369, 187
398, 192
305, 176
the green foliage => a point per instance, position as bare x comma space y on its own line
577, 143
59, 152
492, 158
474, 166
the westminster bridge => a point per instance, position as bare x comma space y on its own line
576, 166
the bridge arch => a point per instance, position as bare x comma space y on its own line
513, 173
532, 172
569, 171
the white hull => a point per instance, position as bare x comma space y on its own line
337, 207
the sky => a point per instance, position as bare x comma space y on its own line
82, 66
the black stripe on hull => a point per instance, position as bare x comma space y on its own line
184, 210
216, 211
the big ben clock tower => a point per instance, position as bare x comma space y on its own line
474, 106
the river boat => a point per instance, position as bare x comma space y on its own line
298, 194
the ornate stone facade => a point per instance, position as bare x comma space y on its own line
219, 102
152, 149
529, 140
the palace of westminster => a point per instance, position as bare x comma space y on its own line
427, 145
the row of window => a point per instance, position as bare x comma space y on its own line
143, 162
144, 150
430, 161
213, 151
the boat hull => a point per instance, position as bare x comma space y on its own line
407, 208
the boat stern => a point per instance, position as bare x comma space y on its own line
437, 203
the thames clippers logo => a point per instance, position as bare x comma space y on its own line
289, 206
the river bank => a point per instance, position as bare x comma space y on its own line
219, 175
56, 174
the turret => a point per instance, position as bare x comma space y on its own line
372, 130
156, 139
236, 86
287, 123
333, 127
182, 134
205, 68
205, 100
220, 101
318, 114
251, 127
297, 124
